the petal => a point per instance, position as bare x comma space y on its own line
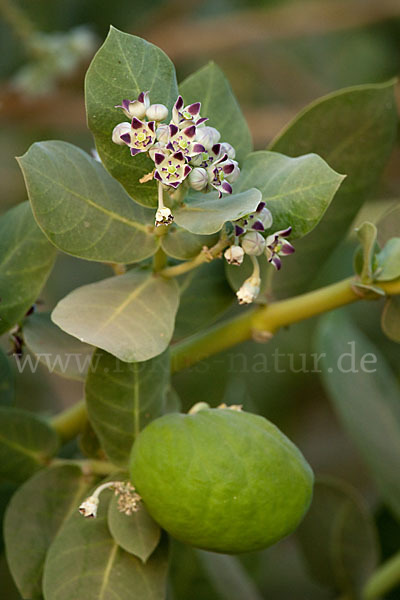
157, 176
216, 149
159, 158
194, 108
186, 170
287, 248
179, 103
202, 120
173, 130
151, 126
136, 124
239, 230
126, 137
178, 156
275, 261
198, 148
227, 169
135, 151
190, 131
175, 184
227, 187
260, 207
284, 232
258, 226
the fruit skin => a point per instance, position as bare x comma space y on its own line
221, 480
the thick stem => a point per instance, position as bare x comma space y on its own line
385, 578
159, 260
206, 255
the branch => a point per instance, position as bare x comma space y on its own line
385, 578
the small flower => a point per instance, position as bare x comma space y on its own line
208, 136
184, 140
259, 220
141, 136
228, 149
120, 129
184, 116
253, 243
157, 112
277, 246
198, 179
222, 173
128, 498
249, 290
171, 168
136, 108
89, 507
234, 255
163, 216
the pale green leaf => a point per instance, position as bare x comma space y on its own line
137, 533
338, 537
354, 131
389, 224
391, 318
7, 384
130, 316
297, 191
59, 352
206, 213
183, 245
26, 259
85, 563
389, 261
26, 444
122, 398
365, 395
209, 86
366, 233
124, 66
33, 518
82, 209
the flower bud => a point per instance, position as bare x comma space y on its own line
234, 255
234, 174
265, 216
163, 216
228, 149
162, 134
208, 136
253, 243
157, 112
120, 129
198, 179
249, 290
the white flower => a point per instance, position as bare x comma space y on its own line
228, 149
157, 112
120, 129
253, 243
136, 108
208, 136
198, 178
249, 290
234, 255
88, 508
163, 216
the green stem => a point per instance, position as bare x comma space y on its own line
206, 255
19, 22
259, 323
88, 467
159, 260
385, 578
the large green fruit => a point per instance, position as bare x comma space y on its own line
220, 479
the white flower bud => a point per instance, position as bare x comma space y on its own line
163, 216
119, 130
198, 178
208, 136
253, 243
228, 149
265, 216
157, 112
249, 290
88, 508
162, 134
234, 255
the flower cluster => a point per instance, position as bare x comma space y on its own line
249, 240
184, 150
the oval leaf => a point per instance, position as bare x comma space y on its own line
389, 261
138, 533
354, 131
131, 316
34, 516
26, 444
297, 190
338, 537
7, 390
391, 318
365, 394
85, 562
59, 352
183, 245
209, 86
206, 213
26, 259
82, 209
122, 398
124, 66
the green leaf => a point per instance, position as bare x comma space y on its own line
391, 318
138, 533
33, 518
366, 233
205, 296
389, 261
7, 389
338, 537
26, 259
122, 398
210, 86
389, 224
236, 275
82, 209
365, 395
59, 352
206, 213
26, 444
297, 190
124, 66
85, 562
354, 131
183, 245
131, 316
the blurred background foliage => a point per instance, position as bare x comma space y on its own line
279, 55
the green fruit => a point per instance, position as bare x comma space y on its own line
220, 479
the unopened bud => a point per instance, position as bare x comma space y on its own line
157, 112
228, 149
208, 136
265, 216
253, 243
162, 134
120, 129
234, 255
198, 178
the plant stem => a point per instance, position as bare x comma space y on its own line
385, 578
259, 323
89, 467
159, 260
206, 255
19, 22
